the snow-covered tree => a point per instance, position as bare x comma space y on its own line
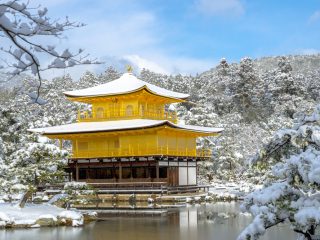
88, 80
292, 194
34, 164
248, 90
109, 75
28, 161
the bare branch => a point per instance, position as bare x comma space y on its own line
21, 24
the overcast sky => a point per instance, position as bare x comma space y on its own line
187, 36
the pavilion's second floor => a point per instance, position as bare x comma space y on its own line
130, 138
138, 145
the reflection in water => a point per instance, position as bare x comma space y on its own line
218, 221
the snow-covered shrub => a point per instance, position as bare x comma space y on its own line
293, 194
78, 193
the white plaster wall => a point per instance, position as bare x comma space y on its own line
183, 179
192, 178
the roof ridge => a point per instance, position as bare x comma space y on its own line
127, 83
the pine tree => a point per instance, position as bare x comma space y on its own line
248, 90
293, 192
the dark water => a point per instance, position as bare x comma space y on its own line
219, 221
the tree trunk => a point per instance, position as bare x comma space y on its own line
24, 198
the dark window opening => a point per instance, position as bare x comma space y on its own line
92, 172
104, 173
98, 173
153, 172
116, 173
163, 172
139, 172
82, 173
126, 172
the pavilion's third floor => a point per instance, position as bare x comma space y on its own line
125, 110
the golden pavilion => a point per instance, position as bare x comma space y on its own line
131, 135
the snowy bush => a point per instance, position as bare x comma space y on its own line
78, 193
293, 194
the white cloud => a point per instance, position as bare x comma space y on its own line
146, 63
314, 17
160, 64
116, 35
171, 65
220, 7
121, 35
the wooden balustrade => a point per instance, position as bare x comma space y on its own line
132, 152
86, 116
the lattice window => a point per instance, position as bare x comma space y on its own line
116, 143
129, 110
100, 112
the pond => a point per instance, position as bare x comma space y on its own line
216, 221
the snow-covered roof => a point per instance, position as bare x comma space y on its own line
127, 83
105, 126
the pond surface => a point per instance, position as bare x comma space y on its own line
217, 221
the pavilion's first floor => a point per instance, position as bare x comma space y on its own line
169, 171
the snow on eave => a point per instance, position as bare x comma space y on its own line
74, 97
127, 83
123, 125
200, 129
79, 127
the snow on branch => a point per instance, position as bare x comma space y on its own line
22, 25
293, 194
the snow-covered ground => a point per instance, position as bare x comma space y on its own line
36, 215
231, 190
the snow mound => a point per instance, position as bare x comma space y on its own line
35, 215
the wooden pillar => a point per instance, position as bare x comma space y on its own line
77, 172
88, 172
120, 171
113, 172
148, 171
157, 170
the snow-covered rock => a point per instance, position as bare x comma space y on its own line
35, 215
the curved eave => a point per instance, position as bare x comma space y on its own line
95, 131
161, 124
192, 129
84, 98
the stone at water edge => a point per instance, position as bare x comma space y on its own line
90, 216
47, 220
70, 218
